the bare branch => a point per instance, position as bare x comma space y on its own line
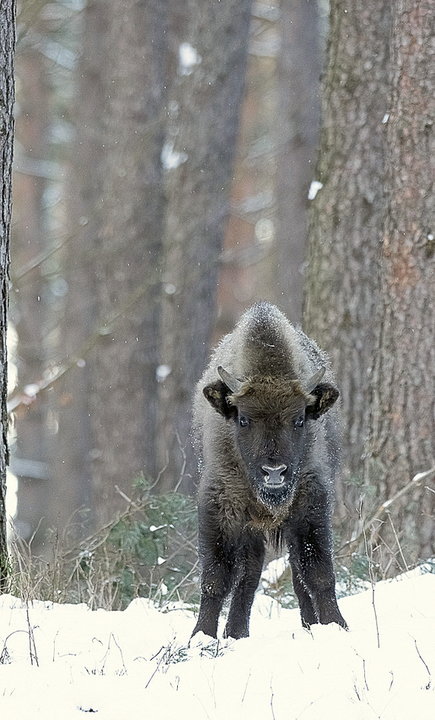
21, 398
38, 260
384, 507
429, 682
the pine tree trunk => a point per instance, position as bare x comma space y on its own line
123, 388
7, 46
72, 446
248, 267
342, 281
401, 421
297, 135
205, 111
106, 405
29, 454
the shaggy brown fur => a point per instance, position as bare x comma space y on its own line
266, 432
270, 396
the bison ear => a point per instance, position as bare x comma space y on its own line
324, 396
217, 393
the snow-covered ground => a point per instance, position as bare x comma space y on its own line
61, 661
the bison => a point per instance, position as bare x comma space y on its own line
266, 431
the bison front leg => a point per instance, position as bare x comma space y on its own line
306, 607
217, 559
313, 577
213, 593
249, 564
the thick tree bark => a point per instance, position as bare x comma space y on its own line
342, 279
205, 108
7, 47
401, 420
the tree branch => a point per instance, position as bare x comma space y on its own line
384, 507
21, 398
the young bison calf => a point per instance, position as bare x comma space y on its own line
266, 432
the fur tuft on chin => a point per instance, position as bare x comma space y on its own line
278, 498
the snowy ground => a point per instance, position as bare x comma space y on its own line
61, 661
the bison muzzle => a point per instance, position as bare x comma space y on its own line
266, 430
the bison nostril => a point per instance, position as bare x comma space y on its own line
274, 475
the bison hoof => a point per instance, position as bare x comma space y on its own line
236, 633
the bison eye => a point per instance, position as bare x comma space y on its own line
299, 422
243, 421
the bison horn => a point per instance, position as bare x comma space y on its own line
230, 381
314, 380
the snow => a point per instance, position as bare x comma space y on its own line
170, 158
314, 189
162, 372
188, 57
61, 661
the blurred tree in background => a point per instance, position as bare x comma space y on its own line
43, 78
297, 138
117, 405
112, 263
204, 109
164, 165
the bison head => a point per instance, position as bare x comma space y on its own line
270, 416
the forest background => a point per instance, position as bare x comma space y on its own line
174, 162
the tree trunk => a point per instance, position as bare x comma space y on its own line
72, 446
342, 279
247, 269
199, 151
30, 292
123, 390
7, 46
266, 237
297, 133
401, 418
106, 404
